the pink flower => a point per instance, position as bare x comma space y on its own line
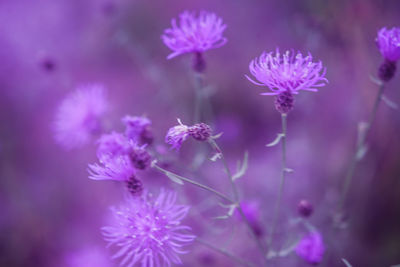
388, 42
194, 34
311, 248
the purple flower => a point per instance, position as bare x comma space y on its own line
119, 169
388, 42
194, 34
138, 129
149, 231
200, 131
177, 135
311, 248
287, 72
139, 156
78, 117
112, 145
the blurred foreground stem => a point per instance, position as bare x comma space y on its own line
361, 150
282, 183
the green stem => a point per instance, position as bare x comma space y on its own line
277, 210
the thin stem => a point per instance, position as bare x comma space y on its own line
282, 183
361, 145
204, 187
260, 246
199, 84
226, 253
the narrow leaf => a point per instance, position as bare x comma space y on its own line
174, 178
346, 262
362, 152
216, 136
216, 157
277, 140
389, 102
375, 80
243, 168
288, 170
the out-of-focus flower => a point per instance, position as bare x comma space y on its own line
141, 159
135, 186
149, 231
138, 129
112, 145
119, 169
200, 131
388, 42
78, 117
177, 135
304, 208
194, 34
311, 248
287, 72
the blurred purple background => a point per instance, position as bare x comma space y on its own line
52, 213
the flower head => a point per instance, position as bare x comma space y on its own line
388, 42
311, 248
177, 135
138, 129
149, 231
287, 72
112, 145
305, 208
79, 116
194, 34
141, 159
118, 168
200, 131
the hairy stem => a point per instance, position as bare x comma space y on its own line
198, 105
204, 187
277, 210
260, 246
361, 145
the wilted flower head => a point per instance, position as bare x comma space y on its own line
149, 231
118, 168
388, 42
112, 145
138, 129
287, 72
79, 116
194, 34
177, 135
311, 248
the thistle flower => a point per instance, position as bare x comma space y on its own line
112, 145
138, 129
78, 117
200, 131
194, 34
149, 231
119, 169
134, 186
388, 42
177, 135
311, 248
287, 72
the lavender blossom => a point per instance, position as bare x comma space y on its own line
194, 34
119, 169
177, 135
311, 248
112, 145
138, 129
388, 42
149, 231
78, 117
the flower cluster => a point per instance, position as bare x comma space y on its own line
149, 231
388, 42
194, 34
311, 248
120, 156
79, 115
179, 133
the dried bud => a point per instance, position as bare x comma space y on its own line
304, 208
140, 158
284, 102
134, 186
200, 131
387, 70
